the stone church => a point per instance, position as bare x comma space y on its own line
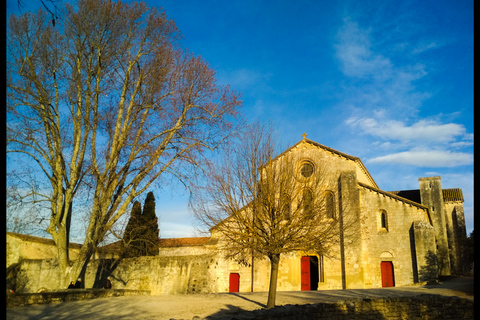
404, 237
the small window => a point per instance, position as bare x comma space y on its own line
384, 221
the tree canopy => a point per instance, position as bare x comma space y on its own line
105, 102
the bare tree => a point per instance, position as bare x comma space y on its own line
263, 205
107, 94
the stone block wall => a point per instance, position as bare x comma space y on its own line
390, 243
21, 246
418, 307
22, 299
159, 275
432, 197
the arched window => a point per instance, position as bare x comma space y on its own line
286, 205
330, 204
384, 220
307, 202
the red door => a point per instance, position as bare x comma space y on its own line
234, 282
387, 274
305, 273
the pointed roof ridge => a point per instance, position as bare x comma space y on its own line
339, 153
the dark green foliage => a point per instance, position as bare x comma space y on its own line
131, 246
151, 224
141, 233
149, 207
468, 254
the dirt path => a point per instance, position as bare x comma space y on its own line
217, 305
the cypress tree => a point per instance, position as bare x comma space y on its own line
131, 246
151, 224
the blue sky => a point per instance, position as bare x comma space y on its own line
390, 82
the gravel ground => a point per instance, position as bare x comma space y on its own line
218, 305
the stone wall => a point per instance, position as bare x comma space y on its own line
22, 299
418, 307
457, 234
431, 196
393, 242
159, 275
21, 246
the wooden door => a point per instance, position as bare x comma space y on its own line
387, 274
305, 273
234, 282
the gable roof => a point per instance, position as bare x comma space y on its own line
357, 160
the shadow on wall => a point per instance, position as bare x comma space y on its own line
105, 269
16, 281
430, 270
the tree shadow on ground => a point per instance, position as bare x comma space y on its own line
227, 313
73, 310
250, 300
306, 311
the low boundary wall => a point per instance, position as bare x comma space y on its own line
21, 299
425, 306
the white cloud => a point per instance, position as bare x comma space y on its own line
380, 81
427, 158
423, 130
425, 46
353, 49
177, 230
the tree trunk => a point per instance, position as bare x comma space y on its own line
272, 291
62, 255
79, 266
94, 232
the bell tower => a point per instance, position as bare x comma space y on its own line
432, 197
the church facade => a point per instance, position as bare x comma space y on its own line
403, 237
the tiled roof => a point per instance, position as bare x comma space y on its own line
452, 195
183, 242
115, 247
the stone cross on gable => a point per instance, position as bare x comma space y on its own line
304, 135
